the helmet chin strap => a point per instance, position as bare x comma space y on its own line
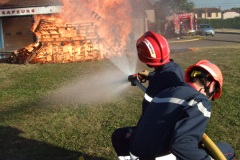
206, 89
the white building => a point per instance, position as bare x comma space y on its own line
208, 13
230, 14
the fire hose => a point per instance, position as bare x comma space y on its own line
134, 81
206, 141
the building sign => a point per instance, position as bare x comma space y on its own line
29, 11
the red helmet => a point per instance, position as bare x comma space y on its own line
212, 69
153, 49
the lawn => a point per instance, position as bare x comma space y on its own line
65, 111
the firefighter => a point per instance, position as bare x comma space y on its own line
181, 30
153, 50
176, 118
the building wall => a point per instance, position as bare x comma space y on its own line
210, 15
139, 27
150, 16
227, 15
215, 15
17, 32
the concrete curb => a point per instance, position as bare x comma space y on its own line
228, 32
183, 40
194, 39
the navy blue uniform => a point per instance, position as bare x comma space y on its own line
168, 75
174, 122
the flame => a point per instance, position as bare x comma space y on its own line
84, 30
113, 17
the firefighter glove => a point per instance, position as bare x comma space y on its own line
143, 76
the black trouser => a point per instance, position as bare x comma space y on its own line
227, 150
121, 140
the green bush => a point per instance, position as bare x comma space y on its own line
233, 23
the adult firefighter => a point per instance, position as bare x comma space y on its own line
176, 118
153, 50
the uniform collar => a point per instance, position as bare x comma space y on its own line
192, 85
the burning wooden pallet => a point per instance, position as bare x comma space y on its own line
60, 43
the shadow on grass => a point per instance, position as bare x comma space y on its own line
15, 147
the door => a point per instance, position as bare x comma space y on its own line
17, 32
1, 35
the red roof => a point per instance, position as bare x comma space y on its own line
5, 4
209, 10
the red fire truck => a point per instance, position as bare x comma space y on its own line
188, 22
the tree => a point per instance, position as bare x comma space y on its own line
184, 5
165, 8
236, 9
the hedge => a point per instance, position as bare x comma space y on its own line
233, 23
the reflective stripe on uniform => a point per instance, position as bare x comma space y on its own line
133, 157
124, 158
185, 103
148, 98
166, 157
204, 110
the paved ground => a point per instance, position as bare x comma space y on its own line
235, 32
193, 42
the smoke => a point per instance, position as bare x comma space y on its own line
98, 87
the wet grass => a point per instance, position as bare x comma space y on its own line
32, 128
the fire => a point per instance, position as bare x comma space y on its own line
84, 30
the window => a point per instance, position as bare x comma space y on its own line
209, 14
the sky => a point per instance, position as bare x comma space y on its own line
223, 4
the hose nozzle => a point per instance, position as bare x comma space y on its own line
132, 78
135, 82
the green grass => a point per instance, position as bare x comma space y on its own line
32, 128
